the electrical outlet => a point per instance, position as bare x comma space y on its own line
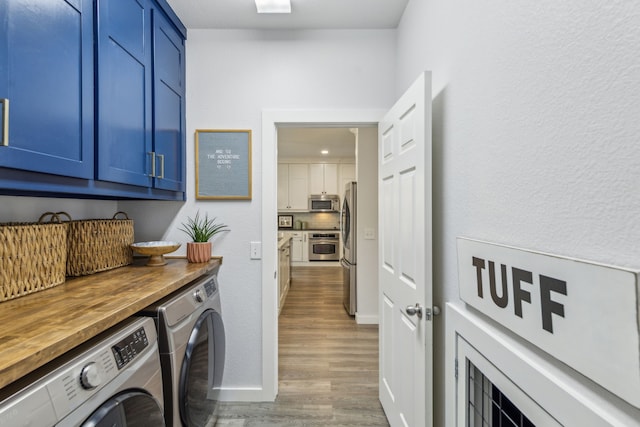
256, 250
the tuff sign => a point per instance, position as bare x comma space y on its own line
521, 279
581, 313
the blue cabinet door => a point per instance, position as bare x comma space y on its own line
46, 73
168, 104
124, 92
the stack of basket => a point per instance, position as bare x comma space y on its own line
38, 256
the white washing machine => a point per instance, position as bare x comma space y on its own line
192, 349
113, 380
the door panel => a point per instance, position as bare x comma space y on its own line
168, 104
386, 344
124, 92
408, 228
46, 72
406, 379
387, 221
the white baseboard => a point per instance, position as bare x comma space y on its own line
315, 264
243, 395
367, 319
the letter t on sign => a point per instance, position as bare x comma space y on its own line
479, 264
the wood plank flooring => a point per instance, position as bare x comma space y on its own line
328, 363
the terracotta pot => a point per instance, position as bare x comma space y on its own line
198, 251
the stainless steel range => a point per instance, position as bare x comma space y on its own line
324, 246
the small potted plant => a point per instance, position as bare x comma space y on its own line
200, 230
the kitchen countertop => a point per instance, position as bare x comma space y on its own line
39, 327
310, 229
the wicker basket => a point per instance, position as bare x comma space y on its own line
33, 257
95, 245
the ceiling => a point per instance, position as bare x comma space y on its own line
306, 143
300, 142
305, 14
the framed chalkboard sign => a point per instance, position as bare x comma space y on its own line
223, 164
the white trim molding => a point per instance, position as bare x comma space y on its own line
567, 396
271, 119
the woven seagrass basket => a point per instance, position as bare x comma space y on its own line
95, 245
33, 257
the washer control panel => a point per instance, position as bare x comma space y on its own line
211, 286
129, 347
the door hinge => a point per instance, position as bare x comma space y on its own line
456, 369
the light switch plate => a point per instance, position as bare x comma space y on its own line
369, 233
256, 250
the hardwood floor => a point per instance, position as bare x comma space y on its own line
328, 363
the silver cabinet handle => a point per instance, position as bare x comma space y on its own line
153, 163
5, 122
161, 166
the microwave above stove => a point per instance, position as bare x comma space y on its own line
324, 203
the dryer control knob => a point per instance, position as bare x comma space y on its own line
197, 295
90, 376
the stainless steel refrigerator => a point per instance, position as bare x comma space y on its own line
348, 230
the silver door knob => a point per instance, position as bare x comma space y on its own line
413, 310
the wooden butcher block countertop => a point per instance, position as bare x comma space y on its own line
37, 328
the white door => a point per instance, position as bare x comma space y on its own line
406, 337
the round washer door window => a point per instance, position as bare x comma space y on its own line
128, 409
201, 372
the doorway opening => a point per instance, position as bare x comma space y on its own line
273, 121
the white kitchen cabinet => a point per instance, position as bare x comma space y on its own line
299, 249
293, 186
305, 246
347, 173
284, 272
323, 178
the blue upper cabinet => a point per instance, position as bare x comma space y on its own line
141, 96
125, 150
168, 104
92, 99
46, 86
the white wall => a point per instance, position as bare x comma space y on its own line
232, 76
367, 212
29, 209
535, 129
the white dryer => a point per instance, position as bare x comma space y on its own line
113, 380
192, 351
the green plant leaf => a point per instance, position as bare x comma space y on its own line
202, 229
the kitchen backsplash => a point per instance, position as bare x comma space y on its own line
317, 220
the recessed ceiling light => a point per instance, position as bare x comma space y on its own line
273, 6
325, 152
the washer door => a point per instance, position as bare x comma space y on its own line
201, 372
129, 409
